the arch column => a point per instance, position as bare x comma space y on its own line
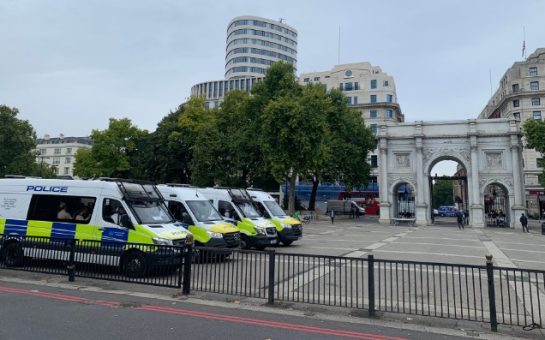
421, 206
518, 208
477, 212
385, 204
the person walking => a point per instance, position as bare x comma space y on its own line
524, 222
332, 216
460, 220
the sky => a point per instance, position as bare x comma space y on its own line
68, 66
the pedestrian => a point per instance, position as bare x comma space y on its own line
466, 217
460, 219
332, 216
524, 222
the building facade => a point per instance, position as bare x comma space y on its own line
369, 90
252, 45
521, 95
59, 152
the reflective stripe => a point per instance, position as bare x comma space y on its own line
18, 227
39, 228
2, 224
63, 230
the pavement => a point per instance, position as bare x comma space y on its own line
443, 242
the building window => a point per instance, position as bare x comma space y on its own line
68, 151
316, 78
355, 100
43, 152
539, 162
356, 86
348, 73
373, 83
374, 128
57, 151
67, 171
536, 102
537, 115
389, 114
306, 80
348, 86
389, 98
373, 114
373, 98
56, 161
516, 103
67, 160
532, 71
516, 115
515, 88
341, 86
374, 161
349, 100
534, 85
386, 83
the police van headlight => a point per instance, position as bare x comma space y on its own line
162, 241
260, 230
286, 226
214, 235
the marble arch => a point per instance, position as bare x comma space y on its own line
489, 149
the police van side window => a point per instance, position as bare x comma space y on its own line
177, 210
56, 208
112, 210
226, 210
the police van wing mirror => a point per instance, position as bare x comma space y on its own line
125, 221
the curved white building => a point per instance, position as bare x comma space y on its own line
254, 43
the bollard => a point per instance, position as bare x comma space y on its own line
272, 256
491, 293
371, 283
188, 258
71, 267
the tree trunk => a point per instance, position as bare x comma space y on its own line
291, 201
312, 201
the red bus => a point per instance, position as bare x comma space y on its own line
367, 199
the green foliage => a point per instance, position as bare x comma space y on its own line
112, 152
442, 193
17, 144
534, 133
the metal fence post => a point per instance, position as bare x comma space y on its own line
71, 260
371, 283
188, 258
491, 293
272, 261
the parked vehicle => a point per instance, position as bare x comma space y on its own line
236, 206
289, 229
199, 216
447, 211
344, 207
111, 212
367, 199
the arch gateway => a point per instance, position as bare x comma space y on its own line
488, 149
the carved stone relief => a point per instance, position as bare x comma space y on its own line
494, 160
402, 161
505, 180
403, 178
431, 153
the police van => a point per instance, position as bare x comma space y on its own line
101, 212
236, 205
199, 216
289, 229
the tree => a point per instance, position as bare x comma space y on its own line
112, 151
293, 134
17, 143
167, 155
442, 193
534, 133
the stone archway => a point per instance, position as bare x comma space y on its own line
488, 149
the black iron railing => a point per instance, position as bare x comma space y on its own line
490, 294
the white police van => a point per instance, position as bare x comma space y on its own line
101, 212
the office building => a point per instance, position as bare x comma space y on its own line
59, 152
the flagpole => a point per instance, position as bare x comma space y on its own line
524, 42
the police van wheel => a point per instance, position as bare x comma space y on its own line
134, 264
287, 242
13, 254
244, 242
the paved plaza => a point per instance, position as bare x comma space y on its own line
443, 243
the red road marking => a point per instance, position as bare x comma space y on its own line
206, 315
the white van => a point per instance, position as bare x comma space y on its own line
236, 206
199, 216
106, 211
289, 229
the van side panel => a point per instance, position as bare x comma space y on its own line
40, 228
18, 227
2, 225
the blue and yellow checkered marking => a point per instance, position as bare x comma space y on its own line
63, 230
15, 227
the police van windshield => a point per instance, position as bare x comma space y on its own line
151, 212
274, 208
248, 210
204, 211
